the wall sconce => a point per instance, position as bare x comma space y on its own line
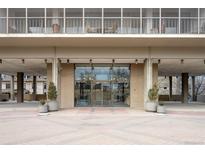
68, 61
46, 61
136, 61
0, 61
182, 61
23, 61
59, 60
159, 61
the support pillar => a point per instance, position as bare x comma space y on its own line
34, 88
66, 98
185, 89
20, 87
170, 88
148, 81
12, 88
194, 97
137, 86
0, 84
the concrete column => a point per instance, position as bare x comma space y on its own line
137, 86
20, 87
67, 86
34, 88
55, 72
49, 74
170, 88
12, 88
185, 89
0, 84
148, 81
194, 97
154, 73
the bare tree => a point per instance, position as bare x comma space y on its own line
199, 86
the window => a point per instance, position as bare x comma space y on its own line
112, 12
36, 12
74, 12
150, 12
2, 12
170, 12
54, 12
131, 12
17, 12
189, 12
93, 12
8, 86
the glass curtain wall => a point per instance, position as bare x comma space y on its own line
202, 21
102, 85
3, 18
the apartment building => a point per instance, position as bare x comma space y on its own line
103, 56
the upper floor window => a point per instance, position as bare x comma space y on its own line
74, 12
189, 12
202, 12
54, 12
3, 12
112, 12
150, 12
17, 12
93, 12
170, 12
36, 12
131, 12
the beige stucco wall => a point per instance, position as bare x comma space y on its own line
137, 86
67, 86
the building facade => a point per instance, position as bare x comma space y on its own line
103, 56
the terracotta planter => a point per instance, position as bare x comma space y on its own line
56, 28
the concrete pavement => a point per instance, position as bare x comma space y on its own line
21, 124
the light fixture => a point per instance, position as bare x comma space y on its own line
23, 61
45, 60
204, 61
59, 60
136, 61
68, 61
90, 61
165, 76
113, 61
0, 61
182, 61
159, 61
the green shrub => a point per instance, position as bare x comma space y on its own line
52, 92
42, 102
153, 93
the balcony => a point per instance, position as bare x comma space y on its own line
102, 21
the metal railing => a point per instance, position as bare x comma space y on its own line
107, 25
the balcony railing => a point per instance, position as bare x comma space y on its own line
109, 26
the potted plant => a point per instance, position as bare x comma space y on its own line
151, 105
52, 96
43, 107
161, 108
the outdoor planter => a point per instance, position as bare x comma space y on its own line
43, 107
52, 95
161, 108
151, 105
53, 105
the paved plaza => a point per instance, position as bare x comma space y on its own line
22, 124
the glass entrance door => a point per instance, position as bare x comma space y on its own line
101, 93
102, 86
